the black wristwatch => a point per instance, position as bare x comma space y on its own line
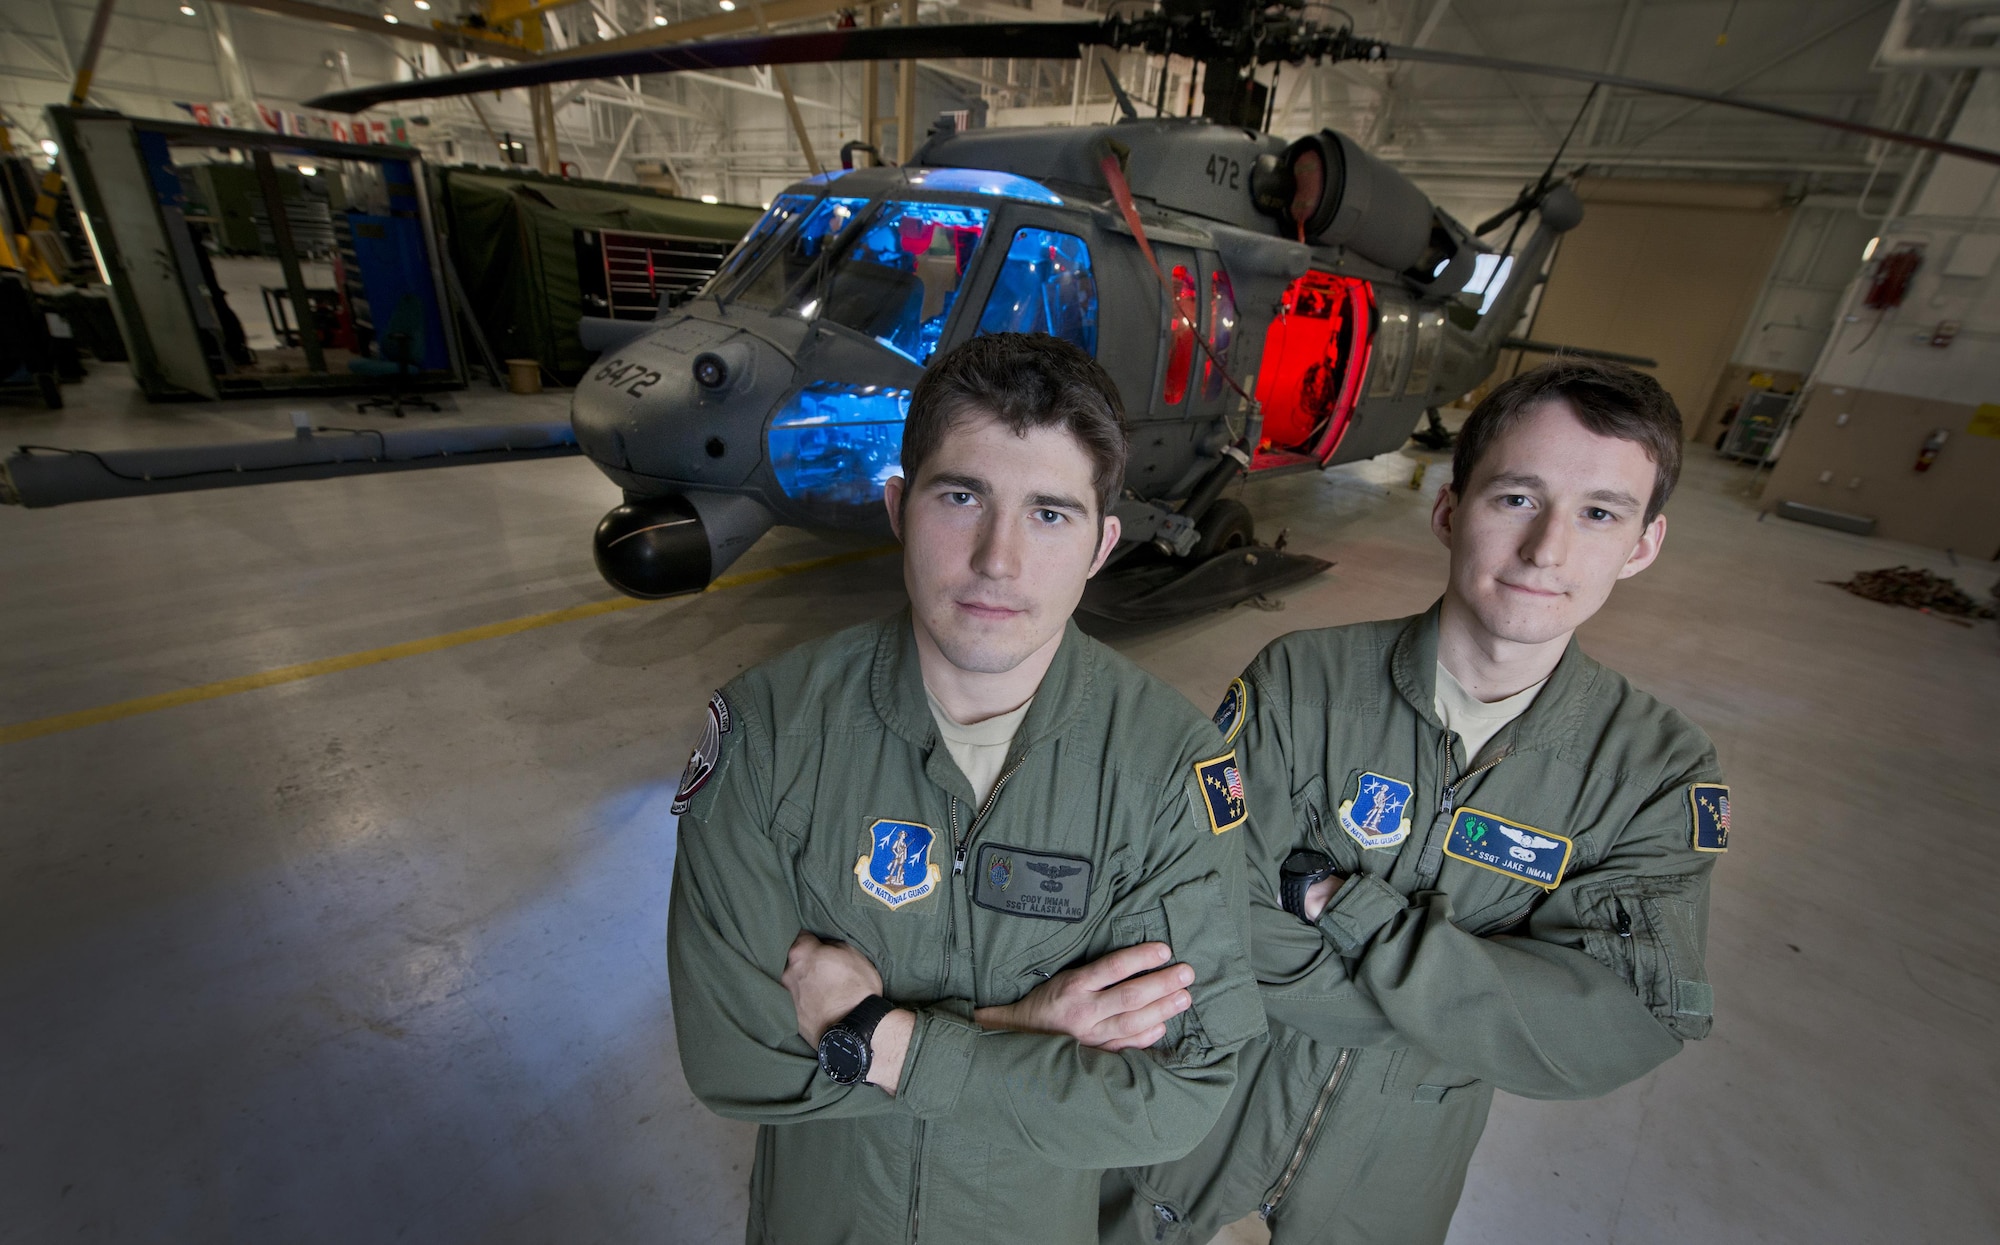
845, 1053
1301, 869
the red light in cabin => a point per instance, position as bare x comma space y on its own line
1314, 356
1180, 338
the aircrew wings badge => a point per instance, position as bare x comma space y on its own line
1230, 713
897, 867
1222, 792
706, 753
1710, 802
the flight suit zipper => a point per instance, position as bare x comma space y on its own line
1431, 862
959, 845
1284, 1185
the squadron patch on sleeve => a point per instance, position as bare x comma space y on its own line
1710, 803
897, 867
706, 753
1504, 846
1229, 715
1378, 814
1222, 792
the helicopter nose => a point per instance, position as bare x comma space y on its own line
681, 408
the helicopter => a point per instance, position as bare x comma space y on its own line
1264, 307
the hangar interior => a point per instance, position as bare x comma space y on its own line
334, 871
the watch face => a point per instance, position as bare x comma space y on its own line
843, 1055
1305, 862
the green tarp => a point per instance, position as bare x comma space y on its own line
513, 239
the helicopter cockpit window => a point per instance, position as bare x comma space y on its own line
1180, 338
837, 445
1221, 332
898, 282
1045, 286
784, 209
796, 250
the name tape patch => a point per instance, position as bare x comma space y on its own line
706, 753
1230, 713
1710, 802
1504, 846
897, 868
1379, 814
1222, 792
1022, 883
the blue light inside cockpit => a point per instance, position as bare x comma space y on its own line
839, 444
984, 182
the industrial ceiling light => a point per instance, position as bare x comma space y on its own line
659, 20
49, 147
425, 5
710, 199
389, 18
187, 10
1869, 253
728, 6
307, 170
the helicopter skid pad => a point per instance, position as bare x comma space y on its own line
1158, 591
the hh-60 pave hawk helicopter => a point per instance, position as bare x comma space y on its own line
1201, 260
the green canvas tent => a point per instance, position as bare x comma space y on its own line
536, 253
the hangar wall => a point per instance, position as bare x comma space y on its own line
1665, 268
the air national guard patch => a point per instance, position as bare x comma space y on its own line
706, 754
1230, 713
897, 867
1379, 814
1710, 801
1222, 792
1508, 847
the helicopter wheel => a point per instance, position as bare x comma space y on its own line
1225, 525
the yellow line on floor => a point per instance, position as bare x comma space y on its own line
409, 648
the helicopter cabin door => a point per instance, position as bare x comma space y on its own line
1309, 380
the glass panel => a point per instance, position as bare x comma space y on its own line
784, 209
1045, 286
839, 444
1221, 331
796, 251
898, 281
1489, 277
1180, 336
984, 182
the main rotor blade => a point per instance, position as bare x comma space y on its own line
1463, 60
1020, 40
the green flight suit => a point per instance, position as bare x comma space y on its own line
1447, 964
833, 806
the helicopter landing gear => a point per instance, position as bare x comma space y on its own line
1434, 435
1225, 525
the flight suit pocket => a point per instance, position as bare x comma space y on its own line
1652, 932
1204, 931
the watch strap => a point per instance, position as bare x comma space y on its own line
867, 1014
1301, 870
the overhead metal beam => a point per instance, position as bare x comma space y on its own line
326, 15
776, 12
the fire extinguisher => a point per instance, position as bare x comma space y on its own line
1932, 444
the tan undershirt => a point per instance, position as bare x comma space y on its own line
1474, 720
981, 748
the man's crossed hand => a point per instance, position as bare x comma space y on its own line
1119, 1002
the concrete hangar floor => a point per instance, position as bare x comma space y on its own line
378, 953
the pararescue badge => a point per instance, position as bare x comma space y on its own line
897, 867
1229, 715
1379, 814
1222, 792
1032, 883
1710, 801
706, 753
1509, 847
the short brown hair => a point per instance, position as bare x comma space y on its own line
1610, 399
1024, 380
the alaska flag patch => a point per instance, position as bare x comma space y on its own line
1379, 814
1230, 713
1509, 847
1710, 802
897, 867
1222, 792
